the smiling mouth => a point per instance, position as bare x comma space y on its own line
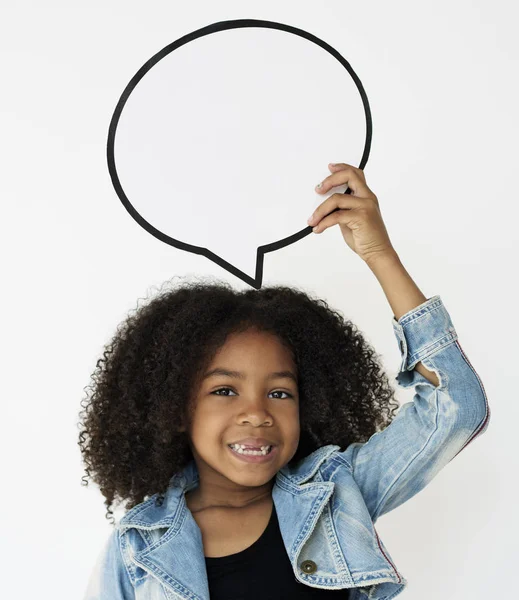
254, 457
249, 452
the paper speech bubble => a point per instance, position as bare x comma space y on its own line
215, 140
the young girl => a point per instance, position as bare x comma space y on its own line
253, 434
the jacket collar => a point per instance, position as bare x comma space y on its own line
148, 516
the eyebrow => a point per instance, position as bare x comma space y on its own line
239, 375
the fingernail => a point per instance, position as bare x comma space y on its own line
319, 185
310, 219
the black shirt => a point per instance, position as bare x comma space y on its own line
261, 571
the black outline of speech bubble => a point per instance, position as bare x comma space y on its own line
262, 250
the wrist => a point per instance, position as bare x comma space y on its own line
399, 287
382, 260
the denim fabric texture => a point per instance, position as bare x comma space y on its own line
329, 502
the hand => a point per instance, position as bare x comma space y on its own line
358, 214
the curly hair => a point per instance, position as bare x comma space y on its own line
140, 388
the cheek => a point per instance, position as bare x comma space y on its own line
292, 429
207, 425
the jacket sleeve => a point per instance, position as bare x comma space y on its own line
427, 433
109, 579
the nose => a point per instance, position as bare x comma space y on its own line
255, 410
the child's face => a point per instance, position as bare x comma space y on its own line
255, 405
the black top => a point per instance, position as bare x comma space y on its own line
261, 571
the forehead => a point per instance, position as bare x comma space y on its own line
253, 353
247, 345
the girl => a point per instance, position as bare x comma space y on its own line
253, 434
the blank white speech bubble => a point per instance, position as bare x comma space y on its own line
218, 141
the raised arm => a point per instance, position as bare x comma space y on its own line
448, 411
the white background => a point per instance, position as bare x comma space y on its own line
441, 79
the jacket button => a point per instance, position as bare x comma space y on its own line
308, 566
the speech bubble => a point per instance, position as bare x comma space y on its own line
214, 142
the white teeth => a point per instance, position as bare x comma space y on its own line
240, 448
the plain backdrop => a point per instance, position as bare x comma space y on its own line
441, 79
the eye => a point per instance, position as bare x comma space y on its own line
221, 390
226, 388
282, 392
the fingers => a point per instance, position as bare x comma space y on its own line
337, 216
335, 201
345, 174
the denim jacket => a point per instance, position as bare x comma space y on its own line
327, 503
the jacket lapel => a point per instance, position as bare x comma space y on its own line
177, 559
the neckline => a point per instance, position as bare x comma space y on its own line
250, 550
